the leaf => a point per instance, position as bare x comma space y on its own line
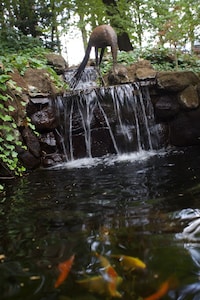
14, 154
3, 87
6, 118
5, 128
10, 138
9, 146
4, 78
11, 108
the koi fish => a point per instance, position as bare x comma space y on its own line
64, 269
112, 279
163, 289
95, 284
129, 263
110, 276
98, 284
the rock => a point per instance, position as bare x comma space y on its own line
18, 92
20, 83
141, 70
51, 160
145, 73
167, 107
57, 62
118, 75
40, 100
48, 142
28, 159
189, 97
39, 83
31, 141
45, 119
143, 63
176, 81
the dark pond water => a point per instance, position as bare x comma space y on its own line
143, 205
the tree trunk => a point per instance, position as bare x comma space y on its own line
83, 31
124, 42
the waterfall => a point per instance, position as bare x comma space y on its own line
88, 78
98, 121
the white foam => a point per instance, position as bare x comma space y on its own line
107, 160
133, 156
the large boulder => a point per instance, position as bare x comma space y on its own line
57, 62
39, 83
176, 81
177, 104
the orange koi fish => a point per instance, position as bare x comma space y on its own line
129, 263
163, 289
110, 276
64, 269
112, 281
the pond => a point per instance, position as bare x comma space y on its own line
144, 205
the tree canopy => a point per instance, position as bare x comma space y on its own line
175, 22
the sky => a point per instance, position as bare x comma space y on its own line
72, 44
73, 51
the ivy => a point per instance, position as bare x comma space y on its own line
9, 135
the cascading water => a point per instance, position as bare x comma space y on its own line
88, 78
97, 121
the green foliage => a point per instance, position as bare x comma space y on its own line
127, 58
29, 58
31, 22
168, 59
9, 135
12, 41
162, 59
54, 77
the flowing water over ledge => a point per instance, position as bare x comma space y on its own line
115, 119
144, 204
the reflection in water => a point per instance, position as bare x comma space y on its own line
191, 232
191, 290
191, 220
191, 236
146, 207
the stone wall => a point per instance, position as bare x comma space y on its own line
176, 98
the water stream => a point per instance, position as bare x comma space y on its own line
121, 117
